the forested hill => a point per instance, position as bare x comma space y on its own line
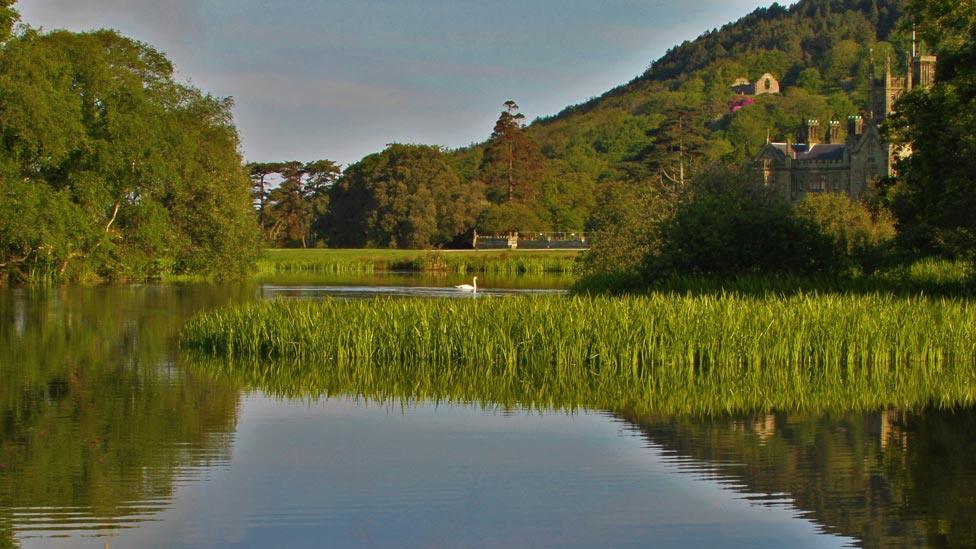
822, 51
776, 39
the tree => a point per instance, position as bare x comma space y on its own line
512, 165
934, 196
290, 214
147, 170
624, 227
727, 223
8, 18
404, 197
299, 196
678, 146
860, 235
259, 173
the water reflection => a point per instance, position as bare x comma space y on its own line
105, 427
274, 291
444, 281
98, 421
889, 479
423, 285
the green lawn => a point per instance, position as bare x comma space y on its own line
462, 261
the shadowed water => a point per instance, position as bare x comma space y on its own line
110, 436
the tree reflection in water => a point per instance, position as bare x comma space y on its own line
98, 422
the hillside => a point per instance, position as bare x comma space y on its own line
823, 52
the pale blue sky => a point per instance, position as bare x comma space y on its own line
339, 79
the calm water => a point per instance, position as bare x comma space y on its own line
110, 437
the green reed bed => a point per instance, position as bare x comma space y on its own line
461, 262
660, 353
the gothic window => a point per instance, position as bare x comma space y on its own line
818, 183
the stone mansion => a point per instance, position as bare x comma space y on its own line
826, 162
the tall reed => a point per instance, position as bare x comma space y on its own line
659, 353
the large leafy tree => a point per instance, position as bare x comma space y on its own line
404, 197
935, 196
145, 170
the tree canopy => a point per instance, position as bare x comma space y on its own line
934, 196
407, 196
126, 173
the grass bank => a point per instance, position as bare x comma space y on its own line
654, 354
459, 261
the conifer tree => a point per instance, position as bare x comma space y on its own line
513, 165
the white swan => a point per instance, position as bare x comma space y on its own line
469, 287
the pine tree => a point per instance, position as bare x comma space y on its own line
513, 165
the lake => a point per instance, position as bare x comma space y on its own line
111, 436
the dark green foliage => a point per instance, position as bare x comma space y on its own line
41, 230
133, 175
286, 212
727, 223
623, 228
404, 197
508, 217
935, 197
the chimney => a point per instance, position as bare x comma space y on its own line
855, 126
812, 132
833, 132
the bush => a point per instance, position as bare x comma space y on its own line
623, 228
860, 237
728, 223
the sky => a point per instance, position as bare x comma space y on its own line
340, 79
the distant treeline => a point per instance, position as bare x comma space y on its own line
408, 196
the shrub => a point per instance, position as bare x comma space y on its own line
623, 228
860, 237
726, 222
